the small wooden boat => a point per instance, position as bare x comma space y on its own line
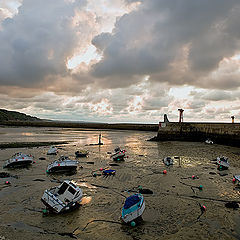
19, 160
133, 208
222, 162
64, 164
52, 150
168, 161
81, 153
63, 197
119, 154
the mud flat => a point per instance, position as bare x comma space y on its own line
172, 211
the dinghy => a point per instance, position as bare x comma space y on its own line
52, 151
119, 154
208, 141
64, 164
81, 153
18, 160
237, 178
222, 162
133, 208
108, 172
63, 197
168, 161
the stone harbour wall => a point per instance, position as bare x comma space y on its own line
222, 133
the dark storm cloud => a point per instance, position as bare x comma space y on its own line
151, 39
36, 43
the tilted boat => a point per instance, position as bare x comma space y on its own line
19, 160
81, 153
52, 150
222, 162
208, 141
64, 164
63, 197
119, 154
133, 208
168, 161
237, 178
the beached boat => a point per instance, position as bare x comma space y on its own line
52, 150
108, 172
208, 141
168, 161
237, 178
81, 153
222, 162
64, 164
18, 160
63, 197
133, 208
119, 154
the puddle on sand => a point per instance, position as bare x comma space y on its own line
86, 200
85, 184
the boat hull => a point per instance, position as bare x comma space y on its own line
135, 214
18, 164
59, 169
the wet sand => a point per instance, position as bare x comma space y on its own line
172, 211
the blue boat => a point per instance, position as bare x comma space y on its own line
133, 208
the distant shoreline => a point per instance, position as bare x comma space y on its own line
118, 126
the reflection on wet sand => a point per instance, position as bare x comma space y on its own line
172, 211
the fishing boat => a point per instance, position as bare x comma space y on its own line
119, 154
168, 161
63, 164
208, 141
18, 160
52, 150
222, 162
133, 208
63, 197
81, 153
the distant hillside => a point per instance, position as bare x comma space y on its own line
6, 115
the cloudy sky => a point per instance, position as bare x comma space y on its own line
121, 60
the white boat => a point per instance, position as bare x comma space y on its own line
168, 161
222, 162
52, 150
64, 164
119, 154
63, 197
18, 160
208, 141
81, 153
237, 178
133, 208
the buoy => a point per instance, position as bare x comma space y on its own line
100, 169
193, 177
94, 174
133, 224
7, 182
203, 208
45, 211
234, 180
200, 187
164, 171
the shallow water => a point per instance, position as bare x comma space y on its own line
171, 212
